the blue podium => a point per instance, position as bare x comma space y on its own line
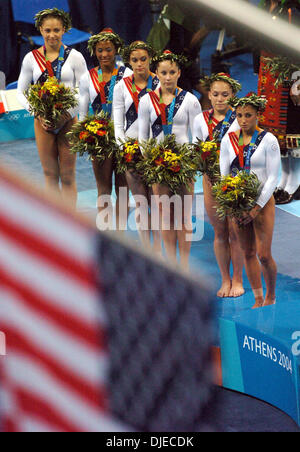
260, 355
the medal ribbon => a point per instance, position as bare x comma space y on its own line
167, 124
107, 103
225, 124
210, 126
61, 59
245, 161
135, 91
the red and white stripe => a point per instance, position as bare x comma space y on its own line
54, 374
40, 59
155, 102
95, 80
234, 142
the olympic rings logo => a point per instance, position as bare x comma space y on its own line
14, 117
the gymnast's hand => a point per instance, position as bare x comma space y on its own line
48, 127
249, 216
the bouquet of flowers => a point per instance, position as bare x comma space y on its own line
207, 158
128, 155
167, 163
93, 135
50, 100
236, 195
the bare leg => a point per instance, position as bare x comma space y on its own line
103, 176
48, 153
122, 201
138, 190
184, 233
221, 240
264, 226
237, 259
166, 219
67, 165
156, 233
247, 239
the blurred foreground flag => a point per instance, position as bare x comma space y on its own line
98, 337
54, 374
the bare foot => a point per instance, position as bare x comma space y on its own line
259, 302
237, 289
269, 302
224, 290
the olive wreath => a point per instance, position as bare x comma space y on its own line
258, 102
208, 80
106, 35
53, 12
136, 45
167, 55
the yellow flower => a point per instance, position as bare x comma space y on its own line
171, 157
51, 85
92, 127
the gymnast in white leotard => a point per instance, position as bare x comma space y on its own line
68, 65
97, 88
258, 151
127, 96
211, 125
170, 100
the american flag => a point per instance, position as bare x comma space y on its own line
99, 336
54, 374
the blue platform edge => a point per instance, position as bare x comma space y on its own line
260, 355
16, 125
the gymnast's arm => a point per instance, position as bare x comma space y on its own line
79, 68
119, 112
84, 96
225, 156
194, 111
273, 161
25, 80
144, 119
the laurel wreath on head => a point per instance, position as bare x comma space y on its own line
136, 45
53, 12
167, 55
208, 80
105, 36
258, 102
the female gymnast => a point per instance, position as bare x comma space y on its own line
253, 149
214, 125
97, 88
68, 65
127, 96
180, 108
